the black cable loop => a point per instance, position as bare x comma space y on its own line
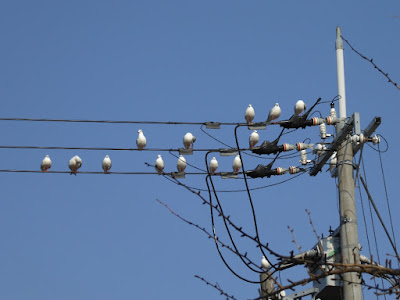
223, 215
249, 195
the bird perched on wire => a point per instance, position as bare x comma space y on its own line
46, 164
181, 164
106, 164
237, 163
299, 107
159, 165
74, 164
274, 113
249, 115
188, 140
141, 140
253, 139
265, 263
213, 165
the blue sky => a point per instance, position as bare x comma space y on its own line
106, 237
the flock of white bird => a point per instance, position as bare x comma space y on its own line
188, 140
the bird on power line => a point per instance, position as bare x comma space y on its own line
274, 113
249, 115
159, 165
141, 140
181, 164
253, 139
237, 163
46, 164
188, 140
299, 107
265, 263
213, 165
74, 164
106, 164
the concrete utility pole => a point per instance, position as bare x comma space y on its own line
350, 248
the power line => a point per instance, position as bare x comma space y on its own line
127, 122
371, 60
172, 174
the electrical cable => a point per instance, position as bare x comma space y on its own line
387, 198
372, 222
215, 239
193, 166
95, 173
222, 213
248, 193
251, 189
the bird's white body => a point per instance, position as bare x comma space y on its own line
74, 164
159, 164
237, 164
188, 140
181, 164
250, 114
299, 107
213, 165
141, 141
265, 264
253, 139
46, 164
274, 113
106, 164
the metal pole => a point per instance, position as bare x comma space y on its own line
350, 247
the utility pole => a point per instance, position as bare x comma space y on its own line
350, 248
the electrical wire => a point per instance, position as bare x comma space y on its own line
371, 60
97, 173
215, 238
387, 198
248, 192
378, 150
251, 189
109, 149
193, 166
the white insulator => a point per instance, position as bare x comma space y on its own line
303, 157
332, 113
288, 147
317, 121
333, 161
319, 149
322, 131
294, 170
358, 139
302, 146
375, 139
281, 171
331, 120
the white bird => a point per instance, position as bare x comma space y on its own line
274, 113
46, 164
237, 163
74, 164
141, 140
282, 294
265, 264
299, 107
106, 164
188, 140
253, 139
213, 165
159, 164
181, 164
249, 115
